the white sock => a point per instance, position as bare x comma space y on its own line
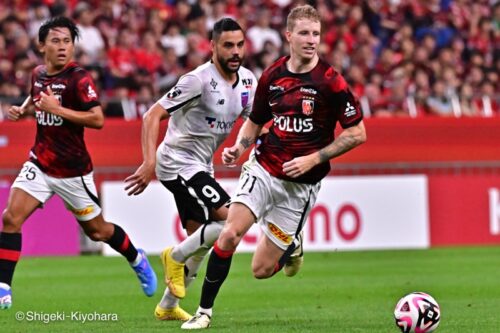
169, 301
137, 260
198, 242
205, 311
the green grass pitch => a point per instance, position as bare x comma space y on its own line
334, 292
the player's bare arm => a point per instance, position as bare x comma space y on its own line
246, 137
137, 183
349, 138
48, 102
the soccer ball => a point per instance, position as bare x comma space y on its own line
417, 313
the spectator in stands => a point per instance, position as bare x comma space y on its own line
91, 41
148, 56
439, 102
174, 39
468, 106
434, 35
262, 32
121, 60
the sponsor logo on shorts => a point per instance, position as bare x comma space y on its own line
286, 239
82, 212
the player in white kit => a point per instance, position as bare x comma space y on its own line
203, 108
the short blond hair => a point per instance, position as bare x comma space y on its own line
299, 13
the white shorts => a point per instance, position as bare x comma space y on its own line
280, 206
78, 193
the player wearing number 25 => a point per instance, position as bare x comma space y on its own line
65, 102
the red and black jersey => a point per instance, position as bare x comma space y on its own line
59, 148
304, 108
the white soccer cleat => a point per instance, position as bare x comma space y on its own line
293, 264
197, 322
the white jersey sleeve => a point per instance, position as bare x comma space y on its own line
187, 89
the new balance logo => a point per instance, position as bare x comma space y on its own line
349, 110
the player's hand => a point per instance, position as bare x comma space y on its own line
48, 102
299, 165
137, 183
15, 112
230, 155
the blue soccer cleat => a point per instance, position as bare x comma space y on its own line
5, 296
146, 274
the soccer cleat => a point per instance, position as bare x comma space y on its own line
174, 273
197, 322
146, 274
176, 313
293, 264
5, 296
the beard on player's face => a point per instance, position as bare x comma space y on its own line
231, 64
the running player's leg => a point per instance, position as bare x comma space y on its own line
266, 259
240, 219
201, 204
98, 229
168, 308
282, 226
20, 206
80, 197
27, 193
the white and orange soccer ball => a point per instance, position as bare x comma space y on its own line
417, 313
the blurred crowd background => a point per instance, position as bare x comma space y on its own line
402, 58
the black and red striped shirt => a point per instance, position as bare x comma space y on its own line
59, 148
305, 109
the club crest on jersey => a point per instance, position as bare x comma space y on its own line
173, 93
307, 106
244, 98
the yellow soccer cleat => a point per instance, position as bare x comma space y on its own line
174, 273
176, 313
293, 264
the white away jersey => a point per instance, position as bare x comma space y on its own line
203, 109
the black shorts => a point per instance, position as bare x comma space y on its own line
196, 197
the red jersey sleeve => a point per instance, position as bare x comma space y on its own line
347, 106
86, 92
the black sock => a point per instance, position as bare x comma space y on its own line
218, 267
282, 261
10, 251
120, 242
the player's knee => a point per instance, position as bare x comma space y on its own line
11, 223
229, 239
